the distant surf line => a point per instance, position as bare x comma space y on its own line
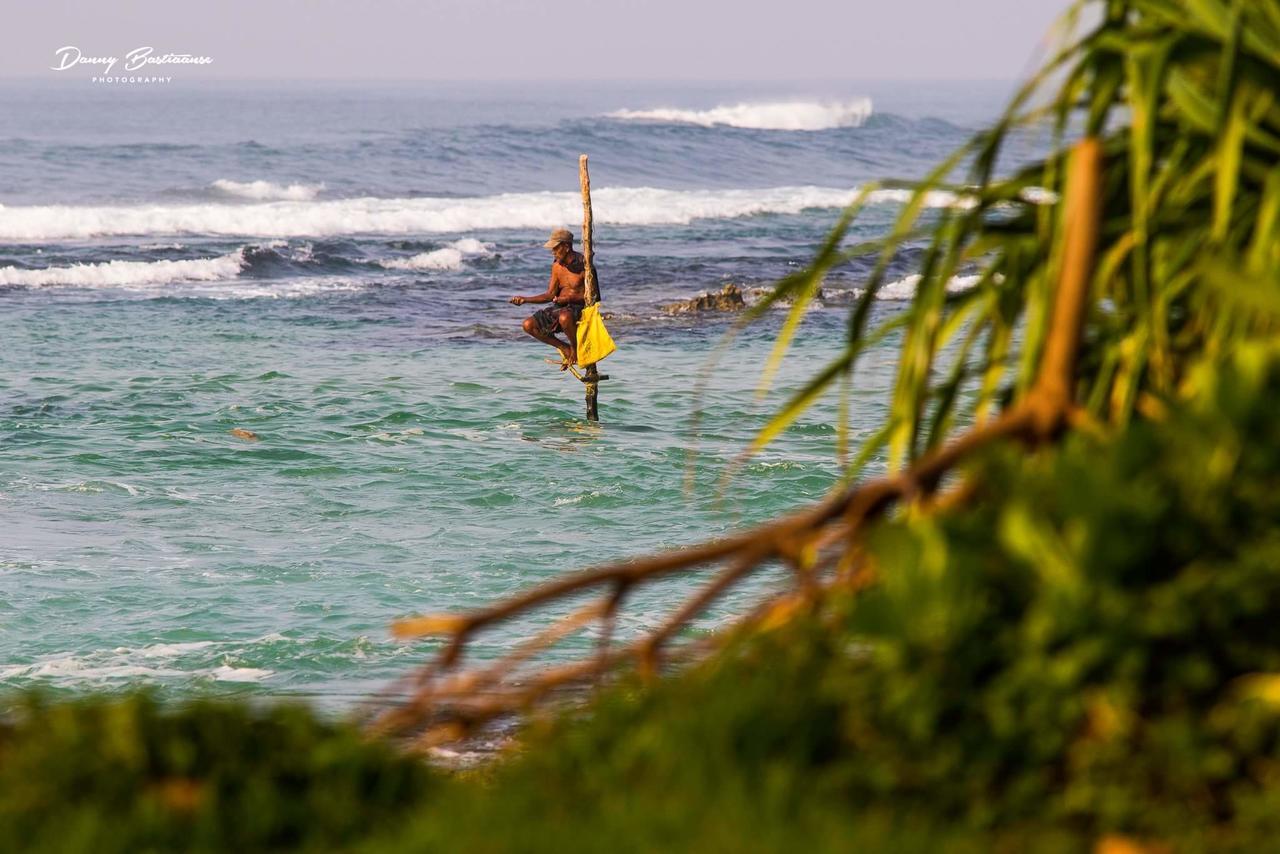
770, 115
622, 206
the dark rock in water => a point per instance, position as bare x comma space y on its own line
728, 298
761, 293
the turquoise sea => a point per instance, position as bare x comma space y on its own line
328, 267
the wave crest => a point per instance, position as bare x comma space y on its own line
117, 273
620, 206
781, 115
267, 191
905, 288
449, 257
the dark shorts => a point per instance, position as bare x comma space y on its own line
548, 319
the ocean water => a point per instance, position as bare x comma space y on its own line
329, 266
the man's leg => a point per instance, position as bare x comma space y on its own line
570, 327
531, 326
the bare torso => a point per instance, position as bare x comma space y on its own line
568, 279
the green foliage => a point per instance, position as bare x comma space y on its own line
1094, 642
125, 775
1089, 648
1183, 93
734, 757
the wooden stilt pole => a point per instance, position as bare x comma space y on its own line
592, 378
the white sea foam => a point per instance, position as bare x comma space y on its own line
123, 273
613, 206
780, 115
932, 198
70, 667
76, 669
155, 661
960, 201
1038, 196
87, 486
448, 257
262, 289
166, 650
267, 191
227, 673
905, 288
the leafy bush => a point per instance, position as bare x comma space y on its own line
1095, 642
124, 774
1089, 647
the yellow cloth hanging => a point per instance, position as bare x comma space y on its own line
594, 342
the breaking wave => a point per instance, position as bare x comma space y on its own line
905, 288
449, 257
117, 273
782, 115
198, 660
281, 219
267, 191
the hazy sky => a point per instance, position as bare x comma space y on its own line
540, 39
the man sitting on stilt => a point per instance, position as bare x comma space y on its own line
566, 292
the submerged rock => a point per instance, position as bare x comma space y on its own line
761, 293
728, 298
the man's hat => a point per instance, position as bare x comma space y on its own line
560, 235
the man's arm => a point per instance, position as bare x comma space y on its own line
552, 288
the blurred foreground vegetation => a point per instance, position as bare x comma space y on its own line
1089, 647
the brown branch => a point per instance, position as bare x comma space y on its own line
695, 605
628, 572
1055, 384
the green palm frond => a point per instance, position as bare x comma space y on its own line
1182, 93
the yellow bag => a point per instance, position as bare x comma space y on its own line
594, 342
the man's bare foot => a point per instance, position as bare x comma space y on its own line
566, 358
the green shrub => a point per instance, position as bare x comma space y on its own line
123, 774
1090, 647
1093, 642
